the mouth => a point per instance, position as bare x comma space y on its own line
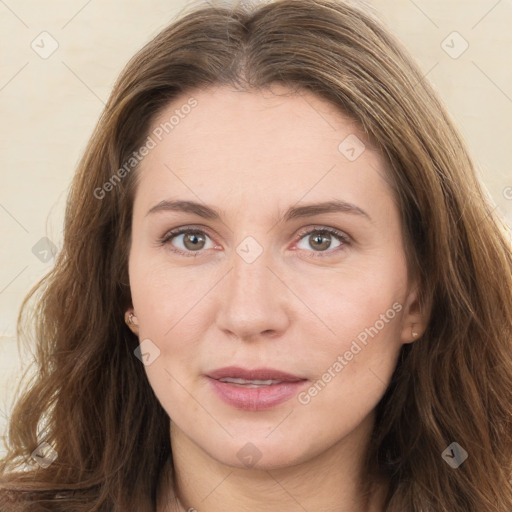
250, 383
254, 390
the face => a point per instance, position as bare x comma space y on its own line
257, 278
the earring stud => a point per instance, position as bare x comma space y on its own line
129, 319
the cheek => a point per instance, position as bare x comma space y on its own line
351, 301
352, 370
356, 333
163, 294
173, 308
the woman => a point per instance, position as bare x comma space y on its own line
281, 287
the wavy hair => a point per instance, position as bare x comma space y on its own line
90, 398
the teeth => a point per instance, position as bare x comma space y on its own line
249, 383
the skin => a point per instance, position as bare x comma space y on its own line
252, 155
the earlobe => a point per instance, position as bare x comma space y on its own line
132, 322
414, 335
411, 332
415, 318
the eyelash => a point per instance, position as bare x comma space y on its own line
342, 237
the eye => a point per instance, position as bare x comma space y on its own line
320, 239
192, 241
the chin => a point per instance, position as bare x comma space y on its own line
262, 453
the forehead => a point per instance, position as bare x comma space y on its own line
275, 142
252, 118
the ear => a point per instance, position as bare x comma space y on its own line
131, 321
415, 317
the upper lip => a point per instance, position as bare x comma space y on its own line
254, 374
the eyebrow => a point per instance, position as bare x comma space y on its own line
294, 212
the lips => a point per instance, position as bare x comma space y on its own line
258, 374
254, 390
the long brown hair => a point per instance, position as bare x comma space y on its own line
91, 400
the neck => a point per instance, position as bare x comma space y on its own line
334, 481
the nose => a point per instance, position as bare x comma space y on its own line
254, 302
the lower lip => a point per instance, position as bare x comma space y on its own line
255, 399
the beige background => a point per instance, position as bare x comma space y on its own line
49, 105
